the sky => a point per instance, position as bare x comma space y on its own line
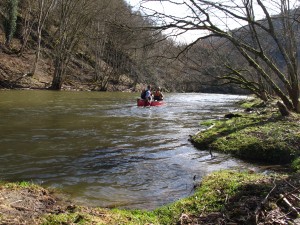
167, 8
224, 23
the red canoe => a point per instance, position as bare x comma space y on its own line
141, 102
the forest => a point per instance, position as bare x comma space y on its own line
106, 45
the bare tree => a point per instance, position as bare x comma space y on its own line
117, 46
74, 17
44, 7
278, 25
27, 22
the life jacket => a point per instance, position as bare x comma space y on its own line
157, 94
143, 94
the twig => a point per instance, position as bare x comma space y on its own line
296, 188
16, 201
291, 192
259, 208
226, 199
205, 129
286, 201
21, 208
296, 197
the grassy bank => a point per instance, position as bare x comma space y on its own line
222, 197
261, 135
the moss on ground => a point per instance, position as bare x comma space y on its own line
209, 201
265, 137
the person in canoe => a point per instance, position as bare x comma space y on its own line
146, 94
146, 98
158, 95
143, 94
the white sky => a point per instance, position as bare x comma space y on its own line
169, 9
180, 11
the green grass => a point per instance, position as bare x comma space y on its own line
252, 102
133, 217
21, 184
207, 123
267, 137
66, 218
296, 164
209, 197
86, 216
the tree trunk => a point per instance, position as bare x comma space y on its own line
283, 109
58, 75
296, 101
37, 54
263, 95
56, 82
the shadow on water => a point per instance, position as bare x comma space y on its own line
104, 150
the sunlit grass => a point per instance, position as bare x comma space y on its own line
209, 197
132, 217
21, 184
264, 137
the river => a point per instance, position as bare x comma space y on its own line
103, 150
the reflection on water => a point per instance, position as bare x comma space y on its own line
104, 150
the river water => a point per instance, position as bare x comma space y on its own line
103, 150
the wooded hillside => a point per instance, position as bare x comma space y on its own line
105, 45
91, 45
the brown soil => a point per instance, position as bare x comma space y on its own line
27, 205
15, 70
31, 206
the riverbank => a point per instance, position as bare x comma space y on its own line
259, 134
224, 197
